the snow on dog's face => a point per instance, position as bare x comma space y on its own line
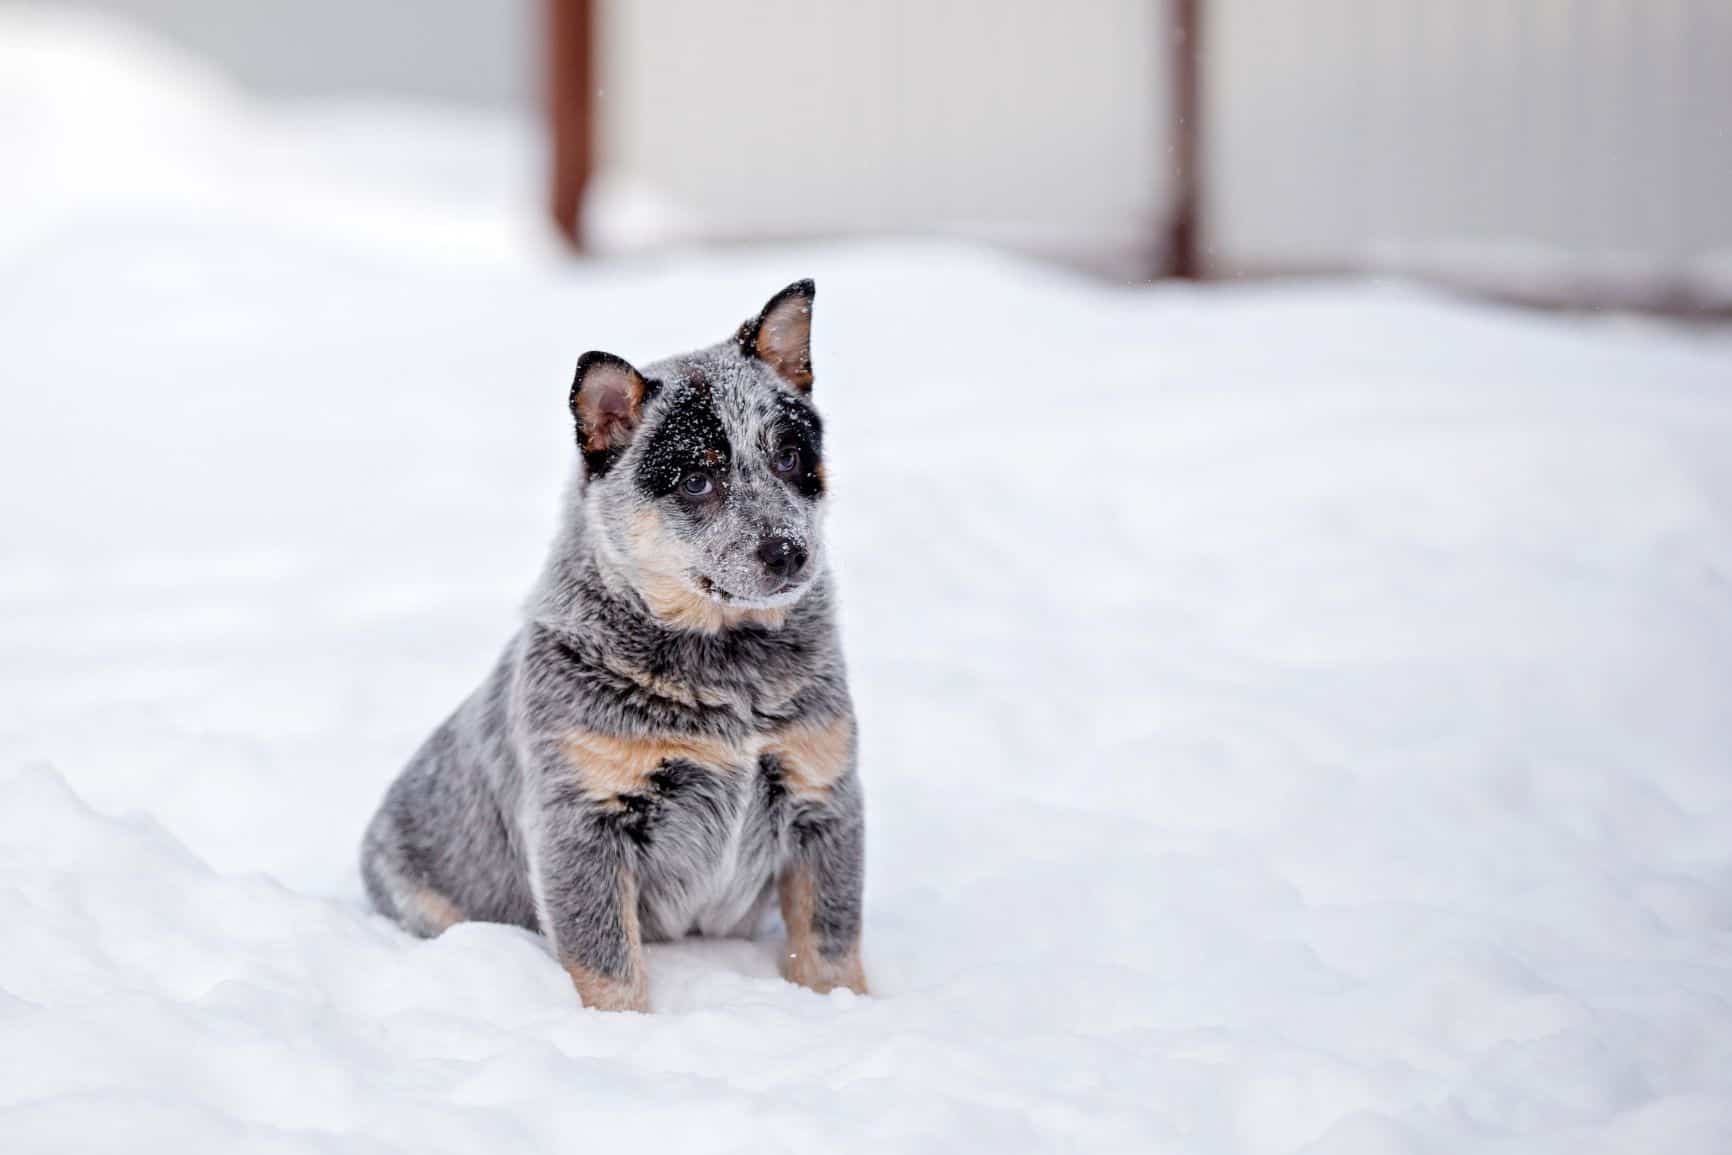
705, 478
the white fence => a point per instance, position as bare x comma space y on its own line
1574, 148
1577, 148
1025, 121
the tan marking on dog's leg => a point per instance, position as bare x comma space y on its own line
604, 992
416, 907
433, 913
813, 754
609, 765
803, 962
601, 993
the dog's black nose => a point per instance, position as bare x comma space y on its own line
781, 556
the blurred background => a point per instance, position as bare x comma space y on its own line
1565, 152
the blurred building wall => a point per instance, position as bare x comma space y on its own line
478, 52
1566, 149
1560, 148
1034, 123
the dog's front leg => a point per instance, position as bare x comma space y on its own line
821, 883
587, 894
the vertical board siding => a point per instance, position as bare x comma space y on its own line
1025, 121
1543, 144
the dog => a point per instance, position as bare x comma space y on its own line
667, 744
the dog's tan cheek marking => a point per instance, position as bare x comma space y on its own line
608, 765
669, 596
672, 602
646, 540
813, 755
770, 618
604, 992
659, 583
804, 963
677, 604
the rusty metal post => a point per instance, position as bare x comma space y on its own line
1182, 254
570, 89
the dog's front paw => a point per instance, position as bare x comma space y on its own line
602, 993
811, 969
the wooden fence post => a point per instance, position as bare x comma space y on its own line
570, 90
1182, 255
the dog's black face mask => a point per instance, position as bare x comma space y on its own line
706, 471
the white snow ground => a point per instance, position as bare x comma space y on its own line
1295, 719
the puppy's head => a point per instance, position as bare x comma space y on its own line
704, 473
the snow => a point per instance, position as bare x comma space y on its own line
1294, 717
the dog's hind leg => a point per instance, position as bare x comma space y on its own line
416, 906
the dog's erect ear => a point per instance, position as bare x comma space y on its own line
781, 336
607, 399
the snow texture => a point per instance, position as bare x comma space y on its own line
1293, 718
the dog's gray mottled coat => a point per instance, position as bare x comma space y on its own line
668, 741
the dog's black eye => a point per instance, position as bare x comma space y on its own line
696, 484
787, 459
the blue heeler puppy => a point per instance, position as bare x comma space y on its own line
668, 740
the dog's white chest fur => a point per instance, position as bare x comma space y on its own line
715, 856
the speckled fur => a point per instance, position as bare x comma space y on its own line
668, 740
